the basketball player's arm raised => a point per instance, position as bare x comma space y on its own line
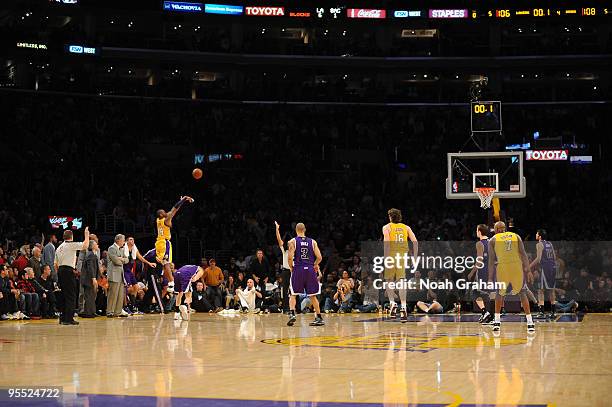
539, 250
318, 256
525, 260
291, 254
479, 254
492, 258
175, 209
278, 237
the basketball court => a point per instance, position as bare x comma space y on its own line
356, 359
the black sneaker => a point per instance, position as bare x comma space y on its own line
393, 312
482, 318
403, 315
552, 316
292, 319
488, 319
541, 315
530, 328
318, 321
496, 326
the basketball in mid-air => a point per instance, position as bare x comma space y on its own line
197, 173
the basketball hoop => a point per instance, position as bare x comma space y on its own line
486, 196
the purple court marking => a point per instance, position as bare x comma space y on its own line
470, 318
93, 400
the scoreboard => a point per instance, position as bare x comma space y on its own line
543, 12
486, 116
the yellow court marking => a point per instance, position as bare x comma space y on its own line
411, 342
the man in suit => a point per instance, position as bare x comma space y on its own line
116, 288
89, 273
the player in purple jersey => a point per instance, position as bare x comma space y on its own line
154, 277
184, 277
304, 258
480, 273
547, 259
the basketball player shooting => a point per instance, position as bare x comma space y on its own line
163, 247
508, 262
304, 270
185, 276
395, 237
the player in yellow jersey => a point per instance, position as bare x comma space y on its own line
395, 237
163, 247
508, 262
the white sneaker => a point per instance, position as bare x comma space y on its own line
170, 288
5, 317
123, 314
184, 312
177, 316
16, 315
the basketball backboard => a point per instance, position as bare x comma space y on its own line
500, 170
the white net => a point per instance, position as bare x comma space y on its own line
486, 196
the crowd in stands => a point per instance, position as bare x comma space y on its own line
28, 285
334, 168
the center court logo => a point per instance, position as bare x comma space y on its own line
398, 341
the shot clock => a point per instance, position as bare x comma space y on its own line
486, 116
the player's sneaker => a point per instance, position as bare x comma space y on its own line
552, 316
393, 312
403, 315
496, 326
541, 315
184, 312
530, 328
488, 319
318, 321
292, 319
177, 316
170, 288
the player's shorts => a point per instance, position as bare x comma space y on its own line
182, 278
163, 251
547, 279
512, 275
130, 278
394, 274
304, 279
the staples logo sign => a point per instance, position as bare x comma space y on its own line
448, 13
265, 11
546, 155
365, 13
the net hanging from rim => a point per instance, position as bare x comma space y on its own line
486, 196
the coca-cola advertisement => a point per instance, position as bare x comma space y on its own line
65, 222
365, 13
